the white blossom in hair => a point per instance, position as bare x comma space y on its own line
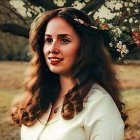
79, 20
84, 23
94, 27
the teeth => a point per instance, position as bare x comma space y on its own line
55, 59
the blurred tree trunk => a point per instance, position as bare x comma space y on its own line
15, 29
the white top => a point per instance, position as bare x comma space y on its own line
99, 120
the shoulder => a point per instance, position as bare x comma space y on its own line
102, 119
96, 94
99, 101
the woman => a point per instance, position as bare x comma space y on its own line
71, 92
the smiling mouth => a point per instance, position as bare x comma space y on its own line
55, 60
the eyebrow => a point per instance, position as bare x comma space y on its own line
59, 35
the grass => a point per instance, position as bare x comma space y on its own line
128, 76
5, 102
12, 74
8, 130
11, 79
132, 101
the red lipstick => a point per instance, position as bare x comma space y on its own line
55, 60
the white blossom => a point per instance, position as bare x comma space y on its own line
136, 21
121, 48
111, 4
102, 20
130, 20
76, 2
60, 3
83, 4
86, 0
115, 38
136, 10
128, 9
125, 20
55, 1
110, 25
126, 3
78, 5
117, 14
123, 27
111, 45
135, 1
118, 6
119, 32
120, 42
29, 14
104, 12
131, 4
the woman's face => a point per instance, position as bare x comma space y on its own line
60, 46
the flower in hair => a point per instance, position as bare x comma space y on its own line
120, 40
84, 23
80, 21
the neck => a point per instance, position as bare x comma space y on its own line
66, 83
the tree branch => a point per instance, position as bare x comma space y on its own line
93, 5
15, 29
14, 11
49, 5
46, 4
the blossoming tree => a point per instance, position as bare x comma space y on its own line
119, 17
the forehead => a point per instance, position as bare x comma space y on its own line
59, 25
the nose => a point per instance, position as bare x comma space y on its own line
54, 48
54, 51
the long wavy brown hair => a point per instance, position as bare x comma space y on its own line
93, 65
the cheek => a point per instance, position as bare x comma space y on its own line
72, 55
74, 52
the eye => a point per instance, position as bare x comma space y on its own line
65, 40
48, 40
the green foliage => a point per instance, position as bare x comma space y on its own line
126, 39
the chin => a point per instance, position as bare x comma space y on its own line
56, 71
59, 72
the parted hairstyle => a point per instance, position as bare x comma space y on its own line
92, 65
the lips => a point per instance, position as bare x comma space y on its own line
55, 60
